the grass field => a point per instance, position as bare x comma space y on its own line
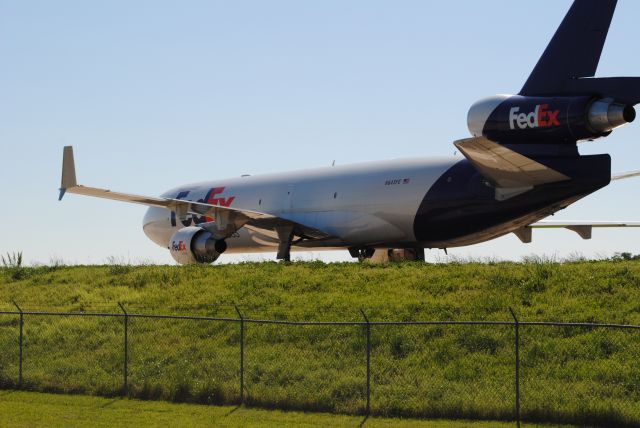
580, 375
28, 409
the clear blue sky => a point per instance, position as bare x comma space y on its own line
156, 93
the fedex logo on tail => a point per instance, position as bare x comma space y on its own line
541, 117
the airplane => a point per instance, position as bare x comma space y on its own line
520, 166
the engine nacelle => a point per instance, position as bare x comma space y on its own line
520, 119
195, 245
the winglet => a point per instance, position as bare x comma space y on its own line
68, 171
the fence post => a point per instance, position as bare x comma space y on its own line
21, 342
517, 330
126, 349
241, 355
368, 330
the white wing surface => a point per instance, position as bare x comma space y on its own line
625, 175
582, 228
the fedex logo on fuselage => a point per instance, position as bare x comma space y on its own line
213, 197
541, 117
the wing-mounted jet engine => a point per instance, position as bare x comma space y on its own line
196, 245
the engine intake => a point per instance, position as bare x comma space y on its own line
519, 119
192, 245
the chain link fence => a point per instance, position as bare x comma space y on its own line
305, 366
549, 372
444, 369
588, 374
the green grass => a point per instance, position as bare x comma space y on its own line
581, 291
28, 409
578, 375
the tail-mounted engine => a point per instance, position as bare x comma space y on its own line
195, 245
524, 119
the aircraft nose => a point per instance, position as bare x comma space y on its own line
155, 225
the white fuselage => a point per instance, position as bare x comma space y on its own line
363, 204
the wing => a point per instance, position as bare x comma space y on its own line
226, 220
625, 175
582, 228
565, 224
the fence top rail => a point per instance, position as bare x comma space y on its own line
324, 323
120, 315
580, 324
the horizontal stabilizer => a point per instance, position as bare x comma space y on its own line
504, 168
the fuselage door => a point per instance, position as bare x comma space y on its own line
288, 199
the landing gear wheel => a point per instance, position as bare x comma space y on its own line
406, 255
363, 253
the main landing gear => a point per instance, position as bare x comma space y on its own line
285, 238
362, 254
386, 255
